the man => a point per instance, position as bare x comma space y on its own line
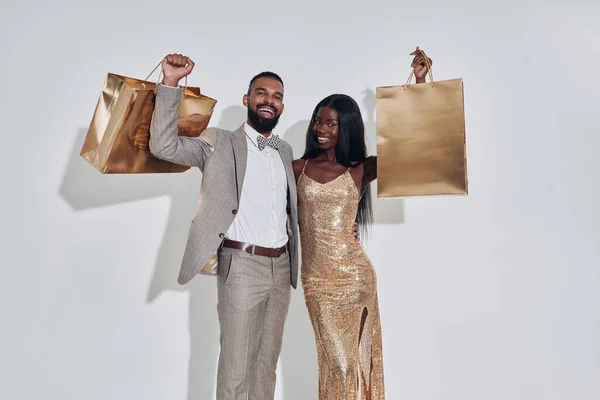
247, 215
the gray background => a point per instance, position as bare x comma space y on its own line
493, 296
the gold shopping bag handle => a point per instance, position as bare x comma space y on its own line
160, 74
429, 70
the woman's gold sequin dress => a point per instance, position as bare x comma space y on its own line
340, 289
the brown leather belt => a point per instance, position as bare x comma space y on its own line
254, 250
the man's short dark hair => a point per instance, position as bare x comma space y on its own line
265, 74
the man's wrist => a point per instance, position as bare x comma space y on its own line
420, 80
170, 82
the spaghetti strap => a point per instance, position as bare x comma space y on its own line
306, 162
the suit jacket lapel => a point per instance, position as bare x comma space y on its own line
240, 155
289, 171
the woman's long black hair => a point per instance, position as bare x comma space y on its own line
350, 150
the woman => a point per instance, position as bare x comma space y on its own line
340, 285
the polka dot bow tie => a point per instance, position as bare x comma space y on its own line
272, 141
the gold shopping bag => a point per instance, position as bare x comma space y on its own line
421, 146
117, 141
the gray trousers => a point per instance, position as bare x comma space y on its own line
253, 301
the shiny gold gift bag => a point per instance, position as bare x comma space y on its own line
421, 146
117, 141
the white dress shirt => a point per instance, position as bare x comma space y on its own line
261, 218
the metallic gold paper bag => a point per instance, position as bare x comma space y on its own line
421, 147
117, 141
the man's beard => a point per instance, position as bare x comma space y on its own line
260, 123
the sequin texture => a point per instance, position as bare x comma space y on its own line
340, 289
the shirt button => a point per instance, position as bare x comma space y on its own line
221, 235
234, 211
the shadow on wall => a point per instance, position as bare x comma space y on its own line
84, 188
